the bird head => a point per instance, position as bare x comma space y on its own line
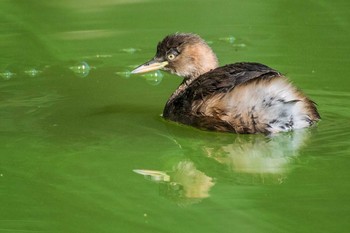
184, 54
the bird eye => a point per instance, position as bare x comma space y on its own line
171, 56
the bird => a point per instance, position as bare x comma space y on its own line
242, 98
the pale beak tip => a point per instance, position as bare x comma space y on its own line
149, 66
137, 70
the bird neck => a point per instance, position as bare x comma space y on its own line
200, 60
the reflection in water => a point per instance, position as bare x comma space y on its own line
184, 184
91, 5
259, 154
250, 159
84, 34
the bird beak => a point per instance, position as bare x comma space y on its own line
149, 66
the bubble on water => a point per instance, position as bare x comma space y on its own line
154, 78
81, 69
7, 75
123, 74
131, 50
32, 72
229, 39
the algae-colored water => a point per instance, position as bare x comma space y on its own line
83, 147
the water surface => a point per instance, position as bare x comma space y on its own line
83, 147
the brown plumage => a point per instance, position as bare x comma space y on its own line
242, 97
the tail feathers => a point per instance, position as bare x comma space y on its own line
294, 114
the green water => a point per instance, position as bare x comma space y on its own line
74, 125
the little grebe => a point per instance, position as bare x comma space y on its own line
242, 97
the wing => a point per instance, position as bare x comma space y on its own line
224, 79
